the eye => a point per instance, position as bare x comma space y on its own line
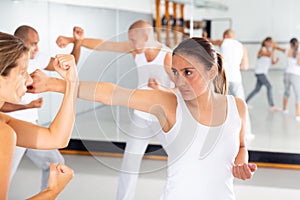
174, 72
187, 72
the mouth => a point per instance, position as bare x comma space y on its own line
184, 91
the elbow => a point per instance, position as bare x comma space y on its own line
63, 144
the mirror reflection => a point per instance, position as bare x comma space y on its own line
274, 131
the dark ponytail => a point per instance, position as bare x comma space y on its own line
203, 50
294, 44
220, 82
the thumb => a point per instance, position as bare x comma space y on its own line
53, 168
252, 167
55, 62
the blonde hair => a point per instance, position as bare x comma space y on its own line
11, 49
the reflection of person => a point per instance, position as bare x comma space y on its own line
41, 158
152, 59
235, 59
198, 123
265, 59
14, 79
292, 75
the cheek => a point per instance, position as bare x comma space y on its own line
199, 85
20, 87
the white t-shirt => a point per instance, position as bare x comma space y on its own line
40, 61
232, 52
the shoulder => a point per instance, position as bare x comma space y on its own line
241, 106
7, 133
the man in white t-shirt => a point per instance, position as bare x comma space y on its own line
28, 109
235, 59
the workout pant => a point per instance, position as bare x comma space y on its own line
262, 80
140, 134
292, 80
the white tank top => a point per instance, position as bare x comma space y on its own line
263, 64
153, 69
292, 66
232, 51
200, 158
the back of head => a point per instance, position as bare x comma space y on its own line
11, 49
202, 50
22, 32
228, 33
144, 27
294, 44
139, 24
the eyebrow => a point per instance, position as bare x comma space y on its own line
185, 68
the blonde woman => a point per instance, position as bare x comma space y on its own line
14, 81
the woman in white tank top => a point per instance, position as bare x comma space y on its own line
203, 128
292, 76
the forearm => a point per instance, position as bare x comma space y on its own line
9, 107
56, 85
242, 156
45, 194
76, 50
102, 45
63, 123
101, 92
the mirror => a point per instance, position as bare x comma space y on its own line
97, 124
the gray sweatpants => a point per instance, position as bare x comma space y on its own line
292, 80
262, 80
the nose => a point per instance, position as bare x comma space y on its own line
29, 80
180, 81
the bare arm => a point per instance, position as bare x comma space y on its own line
215, 42
10, 107
264, 52
241, 168
59, 132
102, 45
275, 46
97, 44
245, 61
7, 146
78, 36
59, 177
160, 103
298, 58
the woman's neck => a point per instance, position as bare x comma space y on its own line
202, 102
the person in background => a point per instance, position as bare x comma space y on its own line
235, 59
265, 58
153, 61
292, 75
